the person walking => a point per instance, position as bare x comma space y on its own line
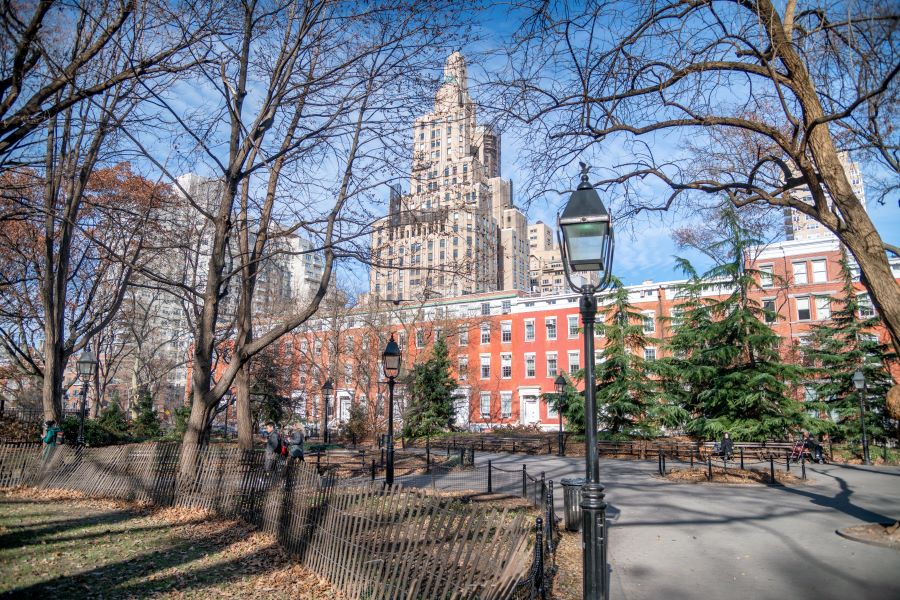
295, 444
726, 447
50, 437
273, 447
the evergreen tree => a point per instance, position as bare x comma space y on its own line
430, 386
725, 369
625, 392
146, 423
837, 348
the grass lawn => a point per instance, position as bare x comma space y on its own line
55, 545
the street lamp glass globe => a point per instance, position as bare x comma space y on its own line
859, 380
326, 389
560, 384
86, 363
586, 229
391, 358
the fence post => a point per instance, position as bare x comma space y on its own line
381, 461
538, 567
787, 460
664, 464
514, 446
709, 468
803, 467
742, 459
462, 457
884, 451
472, 454
543, 487
548, 506
771, 468
659, 462
549, 447
524, 481
482, 443
691, 452
490, 482
373, 469
428, 452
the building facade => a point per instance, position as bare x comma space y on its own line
456, 232
508, 347
798, 226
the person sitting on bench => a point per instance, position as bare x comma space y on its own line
814, 447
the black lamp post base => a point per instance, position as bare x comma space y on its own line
593, 515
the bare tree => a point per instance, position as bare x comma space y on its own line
759, 99
57, 55
304, 96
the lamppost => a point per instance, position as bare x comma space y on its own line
859, 382
390, 362
560, 385
85, 365
586, 243
326, 394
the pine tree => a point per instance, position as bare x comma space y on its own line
146, 423
837, 348
430, 386
625, 392
726, 370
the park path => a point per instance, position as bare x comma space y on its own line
680, 540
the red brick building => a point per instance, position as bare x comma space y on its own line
508, 347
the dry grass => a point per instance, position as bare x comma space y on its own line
732, 476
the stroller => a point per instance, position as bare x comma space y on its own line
797, 451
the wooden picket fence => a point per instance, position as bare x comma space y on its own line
370, 541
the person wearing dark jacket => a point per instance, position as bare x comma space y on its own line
726, 446
273, 446
295, 444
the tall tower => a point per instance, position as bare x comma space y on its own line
798, 226
446, 236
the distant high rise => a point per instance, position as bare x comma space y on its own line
798, 226
456, 231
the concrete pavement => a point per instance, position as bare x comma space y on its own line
680, 540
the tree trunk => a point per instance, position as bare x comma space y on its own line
194, 436
244, 422
52, 385
868, 251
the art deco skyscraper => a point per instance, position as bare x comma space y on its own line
456, 231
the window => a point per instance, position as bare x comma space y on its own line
463, 333
529, 365
420, 338
484, 402
574, 361
573, 326
649, 322
823, 308
866, 310
462, 368
649, 353
800, 273
551, 364
819, 273
485, 309
505, 405
598, 326
550, 324
304, 346
765, 276
506, 366
485, 333
506, 307
771, 314
348, 374
529, 330
506, 331
803, 309
485, 366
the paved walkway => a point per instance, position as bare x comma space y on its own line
671, 541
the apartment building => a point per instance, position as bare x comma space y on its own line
508, 347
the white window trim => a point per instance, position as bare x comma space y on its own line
533, 357
569, 326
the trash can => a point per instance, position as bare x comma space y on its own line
572, 501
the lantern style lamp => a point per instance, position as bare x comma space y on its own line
85, 367
390, 362
560, 387
327, 388
586, 244
859, 382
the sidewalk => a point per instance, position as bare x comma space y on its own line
675, 541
